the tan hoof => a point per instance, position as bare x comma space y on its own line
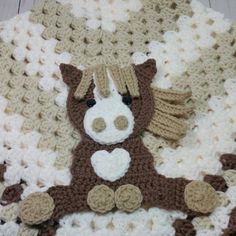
101, 199
128, 198
201, 197
36, 208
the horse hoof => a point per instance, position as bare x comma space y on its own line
36, 208
128, 198
101, 199
200, 196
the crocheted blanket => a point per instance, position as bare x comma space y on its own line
117, 117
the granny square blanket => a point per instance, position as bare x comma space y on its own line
118, 117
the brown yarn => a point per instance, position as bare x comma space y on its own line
228, 161
200, 196
231, 229
2, 171
12, 193
217, 182
48, 231
184, 228
146, 188
101, 199
128, 198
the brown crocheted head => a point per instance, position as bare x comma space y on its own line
109, 104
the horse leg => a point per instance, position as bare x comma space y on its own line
58, 201
191, 197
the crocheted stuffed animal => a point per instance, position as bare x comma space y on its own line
112, 169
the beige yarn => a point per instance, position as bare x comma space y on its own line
166, 120
101, 199
202, 222
98, 125
9, 212
38, 108
102, 80
59, 146
176, 110
121, 122
216, 64
36, 208
131, 80
223, 199
103, 46
163, 131
117, 76
124, 79
167, 126
128, 198
230, 177
200, 197
170, 95
84, 84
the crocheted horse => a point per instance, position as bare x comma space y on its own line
112, 169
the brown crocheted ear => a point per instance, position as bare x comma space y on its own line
70, 74
148, 69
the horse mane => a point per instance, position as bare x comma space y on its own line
169, 111
124, 79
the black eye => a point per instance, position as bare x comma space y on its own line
127, 100
91, 102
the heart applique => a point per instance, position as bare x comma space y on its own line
111, 166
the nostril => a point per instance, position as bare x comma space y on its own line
121, 122
99, 125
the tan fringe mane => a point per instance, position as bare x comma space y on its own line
169, 112
124, 79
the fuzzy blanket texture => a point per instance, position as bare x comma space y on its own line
194, 48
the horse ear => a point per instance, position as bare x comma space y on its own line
70, 74
147, 69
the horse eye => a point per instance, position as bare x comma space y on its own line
127, 100
91, 102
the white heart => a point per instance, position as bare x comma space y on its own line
111, 166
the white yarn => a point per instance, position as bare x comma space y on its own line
183, 47
111, 166
103, 13
9, 229
109, 109
214, 135
38, 52
24, 160
141, 223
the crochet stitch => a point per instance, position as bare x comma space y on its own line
101, 199
128, 198
194, 48
90, 187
